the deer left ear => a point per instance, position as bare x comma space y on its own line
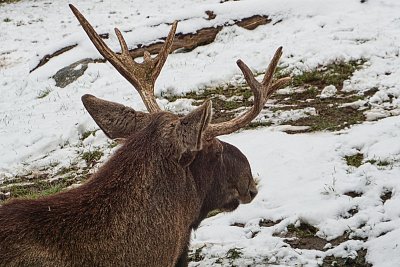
117, 121
192, 126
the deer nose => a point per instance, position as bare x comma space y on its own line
253, 193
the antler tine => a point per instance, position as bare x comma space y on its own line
165, 50
141, 75
262, 91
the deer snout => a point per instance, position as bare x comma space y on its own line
253, 193
250, 194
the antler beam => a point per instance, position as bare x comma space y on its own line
262, 91
141, 75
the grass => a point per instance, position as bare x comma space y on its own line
38, 189
213, 213
33, 186
332, 74
330, 115
354, 160
380, 163
303, 230
8, 1
44, 93
358, 261
234, 253
196, 256
92, 157
86, 134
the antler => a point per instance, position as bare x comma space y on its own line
262, 91
141, 75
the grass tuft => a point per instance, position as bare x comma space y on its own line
355, 160
234, 253
44, 93
92, 157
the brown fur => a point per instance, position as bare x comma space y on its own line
221, 172
136, 210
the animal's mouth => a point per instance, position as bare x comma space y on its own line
231, 205
248, 195
240, 198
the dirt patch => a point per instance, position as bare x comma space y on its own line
353, 194
304, 237
268, 223
386, 195
358, 261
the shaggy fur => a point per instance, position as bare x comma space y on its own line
137, 210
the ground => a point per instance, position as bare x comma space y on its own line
325, 149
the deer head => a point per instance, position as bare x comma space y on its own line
221, 172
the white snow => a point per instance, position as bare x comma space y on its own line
303, 177
328, 91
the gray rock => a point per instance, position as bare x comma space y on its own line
71, 73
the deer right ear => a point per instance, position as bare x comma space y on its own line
116, 120
193, 125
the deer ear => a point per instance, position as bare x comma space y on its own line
116, 120
193, 125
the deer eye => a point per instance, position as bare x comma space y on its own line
184, 122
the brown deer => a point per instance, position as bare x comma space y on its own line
139, 208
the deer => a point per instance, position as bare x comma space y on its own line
140, 207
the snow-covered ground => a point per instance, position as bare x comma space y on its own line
303, 177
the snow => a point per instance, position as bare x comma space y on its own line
328, 91
303, 177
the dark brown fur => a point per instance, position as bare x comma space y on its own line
221, 172
137, 210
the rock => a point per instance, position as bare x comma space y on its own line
328, 91
71, 73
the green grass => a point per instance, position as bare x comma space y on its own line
44, 93
213, 213
91, 157
302, 231
196, 256
380, 163
330, 116
38, 189
86, 134
234, 253
354, 160
332, 74
8, 1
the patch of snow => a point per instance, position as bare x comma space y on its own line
328, 91
303, 177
